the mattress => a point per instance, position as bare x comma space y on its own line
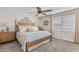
32, 36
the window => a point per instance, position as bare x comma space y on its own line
64, 23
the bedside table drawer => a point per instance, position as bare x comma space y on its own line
0, 37
7, 36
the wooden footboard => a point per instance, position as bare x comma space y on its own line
30, 44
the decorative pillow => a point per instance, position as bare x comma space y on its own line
22, 29
28, 28
34, 28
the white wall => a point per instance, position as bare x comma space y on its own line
9, 14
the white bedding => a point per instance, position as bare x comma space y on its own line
24, 37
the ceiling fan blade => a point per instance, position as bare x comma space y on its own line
31, 12
47, 10
44, 14
38, 8
37, 14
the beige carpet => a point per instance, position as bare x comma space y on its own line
10, 47
56, 45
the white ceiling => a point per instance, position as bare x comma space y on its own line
54, 9
33, 9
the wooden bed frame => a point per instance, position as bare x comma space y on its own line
36, 43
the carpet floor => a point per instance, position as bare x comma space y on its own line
56, 45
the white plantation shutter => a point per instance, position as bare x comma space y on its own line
63, 27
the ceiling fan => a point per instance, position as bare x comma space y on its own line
40, 11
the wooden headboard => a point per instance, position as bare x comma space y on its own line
23, 22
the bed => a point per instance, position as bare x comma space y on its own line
29, 40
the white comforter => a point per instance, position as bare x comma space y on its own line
24, 37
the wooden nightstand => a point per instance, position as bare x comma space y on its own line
7, 36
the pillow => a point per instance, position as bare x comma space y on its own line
29, 29
22, 29
34, 28
25, 28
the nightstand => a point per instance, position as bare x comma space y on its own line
7, 36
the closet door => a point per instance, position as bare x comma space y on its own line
64, 27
